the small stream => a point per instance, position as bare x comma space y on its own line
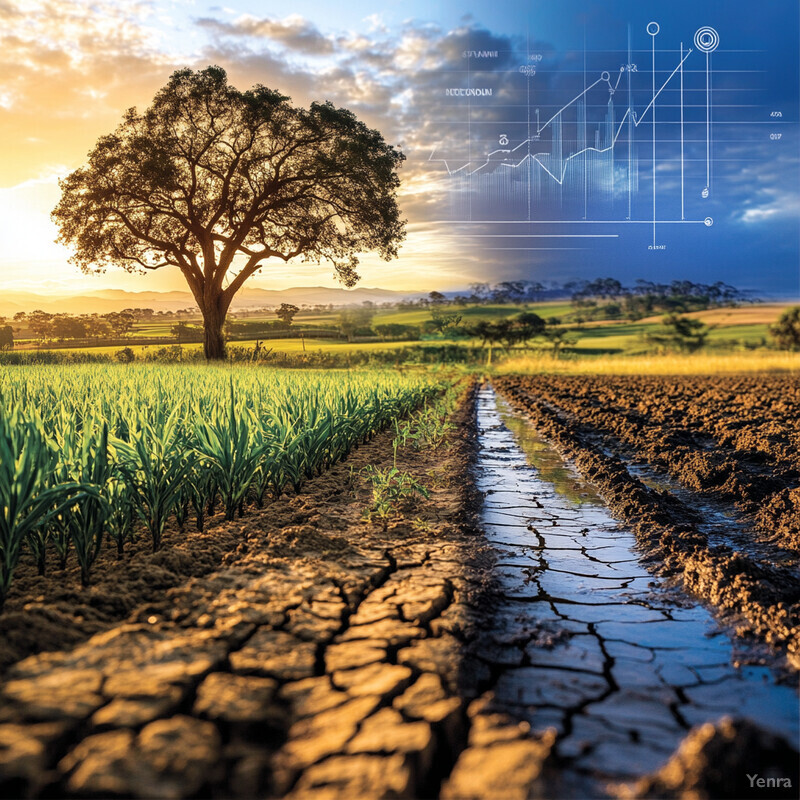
587, 640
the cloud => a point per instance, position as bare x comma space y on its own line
294, 32
376, 23
782, 205
71, 67
758, 214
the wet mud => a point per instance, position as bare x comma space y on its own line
758, 587
620, 662
731, 438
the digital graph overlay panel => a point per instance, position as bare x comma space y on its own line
612, 138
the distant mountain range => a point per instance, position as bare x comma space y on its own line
107, 300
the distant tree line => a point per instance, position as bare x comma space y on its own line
485, 293
607, 298
60, 327
602, 298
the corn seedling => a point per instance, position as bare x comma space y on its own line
121, 516
61, 539
87, 517
26, 501
391, 489
228, 445
154, 467
37, 542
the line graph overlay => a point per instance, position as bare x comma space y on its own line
569, 166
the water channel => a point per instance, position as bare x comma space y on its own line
588, 641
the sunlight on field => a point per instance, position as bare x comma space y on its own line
278, 345
670, 364
755, 314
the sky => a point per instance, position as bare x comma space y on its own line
69, 69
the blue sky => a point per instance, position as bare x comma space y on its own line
71, 67
754, 240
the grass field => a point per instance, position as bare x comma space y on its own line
629, 337
471, 314
416, 316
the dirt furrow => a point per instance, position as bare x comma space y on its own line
764, 595
692, 456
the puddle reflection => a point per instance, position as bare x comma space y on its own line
620, 664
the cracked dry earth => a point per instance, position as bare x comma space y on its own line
327, 658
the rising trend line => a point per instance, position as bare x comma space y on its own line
560, 179
671, 76
574, 99
636, 119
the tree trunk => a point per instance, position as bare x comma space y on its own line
214, 341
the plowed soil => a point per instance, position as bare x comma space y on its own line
731, 441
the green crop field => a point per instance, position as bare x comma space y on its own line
92, 453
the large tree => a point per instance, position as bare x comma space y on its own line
216, 181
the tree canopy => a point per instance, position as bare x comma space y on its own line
786, 331
286, 313
684, 333
215, 181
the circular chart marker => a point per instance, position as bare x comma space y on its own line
706, 40
653, 28
708, 222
